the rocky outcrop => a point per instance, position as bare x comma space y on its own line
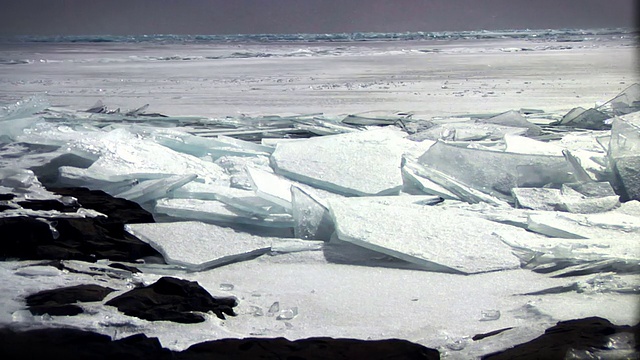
172, 299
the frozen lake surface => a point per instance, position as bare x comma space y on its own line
359, 188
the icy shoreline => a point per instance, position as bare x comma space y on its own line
418, 225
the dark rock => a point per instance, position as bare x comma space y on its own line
586, 336
172, 299
118, 210
21, 237
56, 310
78, 239
131, 269
312, 348
69, 295
59, 301
79, 344
48, 205
7, 196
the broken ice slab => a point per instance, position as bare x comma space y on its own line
624, 150
154, 189
434, 238
413, 182
494, 172
574, 257
467, 131
584, 198
537, 198
610, 224
200, 146
626, 102
198, 246
271, 187
216, 211
515, 119
460, 190
129, 157
361, 163
16, 117
524, 145
580, 118
244, 200
311, 216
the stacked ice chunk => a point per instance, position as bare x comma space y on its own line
451, 195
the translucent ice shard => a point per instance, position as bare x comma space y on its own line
515, 119
434, 238
362, 163
585, 119
19, 116
199, 246
585, 200
271, 187
413, 181
584, 226
242, 200
154, 189
624, 150
311, 216
216, 211
496, 173
626, 102
451, 185
466, 131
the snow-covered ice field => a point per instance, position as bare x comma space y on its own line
400, 263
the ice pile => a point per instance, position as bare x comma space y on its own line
453, 195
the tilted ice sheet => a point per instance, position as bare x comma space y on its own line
496, 173
197, 245
154, 189
612, 224
515, 119
466, 131
425, 235
216, 211
362, 163
624, 149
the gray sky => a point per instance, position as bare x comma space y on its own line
119, 17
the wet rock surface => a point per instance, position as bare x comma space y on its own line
588, 338
81, 238
78, 344
61, 301
172, 299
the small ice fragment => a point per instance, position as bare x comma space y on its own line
22, 316
311, 217
273, 309
287, 314
226, 287
255, 310
489, 315
457, 344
